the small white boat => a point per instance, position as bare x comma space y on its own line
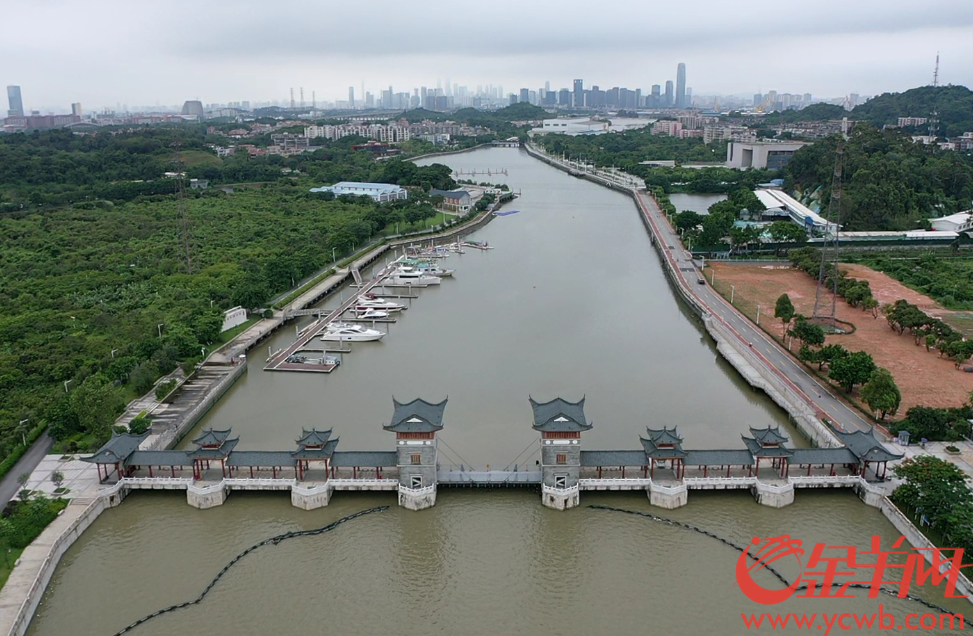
344, 332
370, 314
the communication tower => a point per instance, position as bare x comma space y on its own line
823, 314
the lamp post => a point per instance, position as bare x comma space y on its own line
333, 258
66, 383
758, 315
23, 436
732, 291
113, 353
160, 326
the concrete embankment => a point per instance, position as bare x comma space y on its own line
24, 589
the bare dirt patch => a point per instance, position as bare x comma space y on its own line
923, 377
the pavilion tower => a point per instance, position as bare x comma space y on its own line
560, 424
415, 425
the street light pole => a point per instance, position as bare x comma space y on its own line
66, 383
113, 353
23, 436
732, 290
160, 326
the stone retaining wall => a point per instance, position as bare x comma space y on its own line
169, 438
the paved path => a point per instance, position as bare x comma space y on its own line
819, 395
9, 485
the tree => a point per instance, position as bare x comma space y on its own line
855, 368
933, 487
57, 478
881, 394
807, 332
829, 353
870, 304
784, 311
786, 232
97, 404
688, 221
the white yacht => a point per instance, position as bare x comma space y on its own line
378, 304
371, 314
344, 332
407, 275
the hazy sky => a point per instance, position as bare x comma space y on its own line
138, 52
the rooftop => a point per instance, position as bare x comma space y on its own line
417, 416
559, 415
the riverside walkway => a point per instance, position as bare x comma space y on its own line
747, 337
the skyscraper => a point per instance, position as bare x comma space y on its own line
668, 103
681, 85
578, 93
76, 109
15, 101
524, 95
351, 96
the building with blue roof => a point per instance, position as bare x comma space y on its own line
378, 191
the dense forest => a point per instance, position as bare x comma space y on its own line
58, 167
953, 106
889, 182
96, 297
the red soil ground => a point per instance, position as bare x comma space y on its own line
922, 376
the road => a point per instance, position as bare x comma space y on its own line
817, 394
8, 485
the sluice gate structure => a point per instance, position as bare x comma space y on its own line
765, 465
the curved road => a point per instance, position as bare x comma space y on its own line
818, 396
9, 486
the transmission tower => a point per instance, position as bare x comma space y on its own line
829, 249
935, 73
186, 229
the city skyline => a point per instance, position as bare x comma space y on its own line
156, 58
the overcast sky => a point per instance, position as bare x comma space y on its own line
144, 53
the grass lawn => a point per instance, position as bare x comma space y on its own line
12, 557
404, 228
230, 334
193, 158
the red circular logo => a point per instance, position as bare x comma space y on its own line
768, 551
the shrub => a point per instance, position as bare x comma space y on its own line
164, 388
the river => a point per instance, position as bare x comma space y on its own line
572, 301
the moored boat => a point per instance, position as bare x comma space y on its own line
344, 332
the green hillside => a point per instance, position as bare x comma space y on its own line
954, 105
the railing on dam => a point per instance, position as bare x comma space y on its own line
614, 484
487, 477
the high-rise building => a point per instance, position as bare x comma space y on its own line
681, 86
76, 109
15, 101
564, 97
687, 101
351, 96
655, 101
668, 101
578, 93
524, 95
757, 99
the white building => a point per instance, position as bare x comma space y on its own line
959, 222
763, 155
233, 317
571, 126
797, 211
378, 191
